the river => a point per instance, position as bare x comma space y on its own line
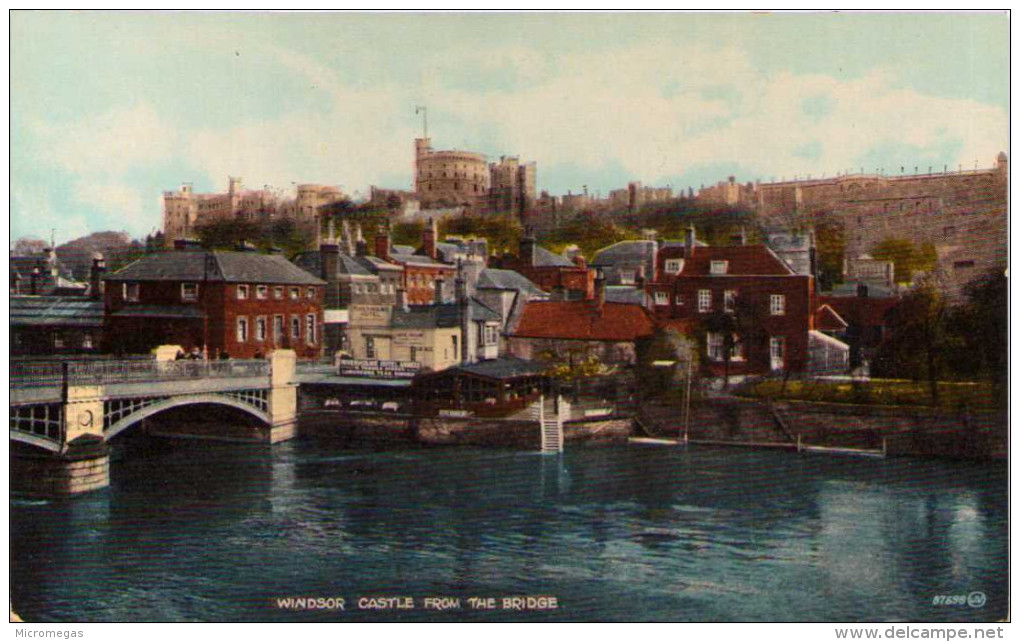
191, 531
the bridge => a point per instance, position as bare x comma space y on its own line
67, 411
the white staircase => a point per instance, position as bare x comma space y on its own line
552, 424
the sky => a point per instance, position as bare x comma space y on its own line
109, 109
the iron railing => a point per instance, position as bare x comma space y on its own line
27, 374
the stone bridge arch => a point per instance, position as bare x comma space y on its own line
253, 405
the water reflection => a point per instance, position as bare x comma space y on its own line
614, 533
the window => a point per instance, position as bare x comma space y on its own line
189, 292
260, 329
455, 350
661, 298
674, 266
295, 293
715, 346
242, 329
132, 291
58, 340
729, 300
310, 329
295, 328
86, 341
718, 267
777, 304
261, 291
777, 352
679, 299
278, 327
310, 293
242, 292
278, 292
704, 300
370, 348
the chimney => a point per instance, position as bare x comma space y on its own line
329, 260
639, 277
401, 300
428, 238
96, 276
600, 290
439, 291
360, 246
689, 240
382, 244
527, 248
34, 284
464, 308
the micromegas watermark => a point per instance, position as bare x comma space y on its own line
974, 599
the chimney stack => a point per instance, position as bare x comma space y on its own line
401, 300
34, 284
600, 290
464, 308
639, 277
527, 248
689, 240
382, 244
439, 291
360, 246
96, 276
429, 237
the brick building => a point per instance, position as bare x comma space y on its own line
553, 273
240, 303
565, 331
775, 303
422, 272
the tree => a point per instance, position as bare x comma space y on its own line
665, 345
906, 257
830, 241
918, 337
29, 245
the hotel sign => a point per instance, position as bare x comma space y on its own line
378, 369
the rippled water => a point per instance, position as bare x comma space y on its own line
191, 532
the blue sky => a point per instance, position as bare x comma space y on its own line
110, 109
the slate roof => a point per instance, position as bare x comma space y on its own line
828, 319
374, 264
580, 320
311, 262
628, 252
625, 294
503, 368
744, 260
55, 311
869, 311
22, 267
229, 267
444, 315
545, 258
493, 279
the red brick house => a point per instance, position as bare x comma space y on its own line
241, 303
774, 304
564, 330
421, 271
551, 272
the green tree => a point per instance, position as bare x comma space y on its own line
919, 338
907, 258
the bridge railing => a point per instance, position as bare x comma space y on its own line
85, 373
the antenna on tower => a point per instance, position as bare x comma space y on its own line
421, 109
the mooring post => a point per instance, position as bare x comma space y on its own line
798, 442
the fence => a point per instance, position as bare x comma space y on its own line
28, 374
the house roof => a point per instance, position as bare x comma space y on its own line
625, 252
444, 315
374, 264
22, 268
230, 267
743, 260
148, 311
311, 262
503, 368
865, 310
581, 320
625, 294
53, 310
545, 258
828, 319
494, 279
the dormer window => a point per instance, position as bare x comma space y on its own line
719, 267
674, 266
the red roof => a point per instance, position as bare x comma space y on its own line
743, 260
828, 319
581, 320
871, 310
